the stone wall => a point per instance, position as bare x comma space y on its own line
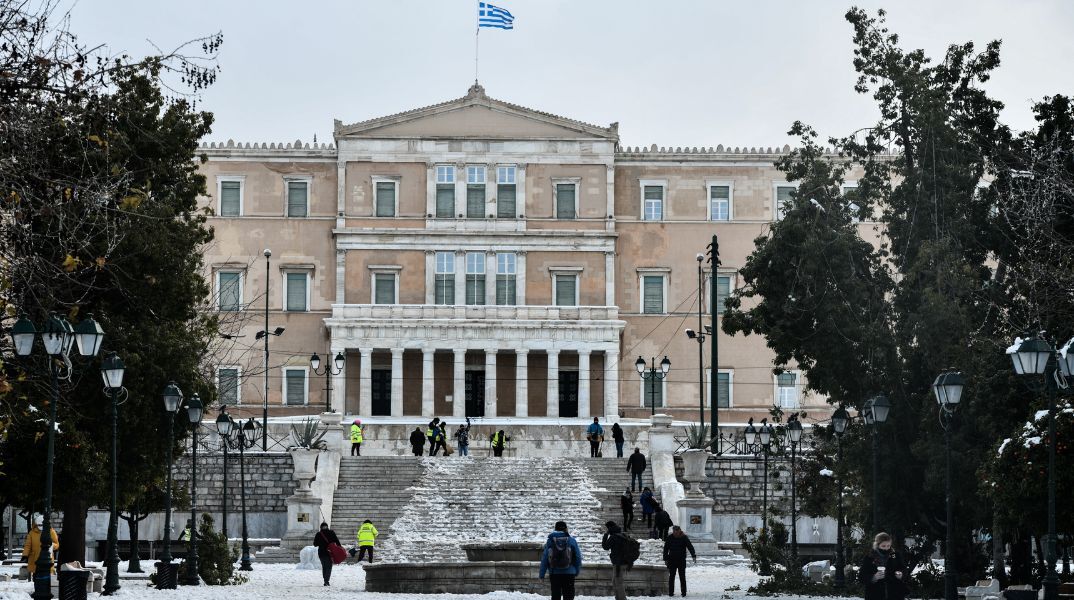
736, 483
268, 481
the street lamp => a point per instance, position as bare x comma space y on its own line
57, 336
166, 571
794, 435
699, 335
330, 370
194, 411
761, 436
1037, 357
112, 373
948, 390
876, 412
223, 427
840, 420
653, 376
247, 438
265, 333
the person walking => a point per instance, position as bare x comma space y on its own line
648, 506
417, 442
882, 571
615, 543
462, 438
636, 465
430, 433
367, 535
31, 550
617, 437
499, 442
562, 560
356, 438
323, 538
626, 501
441, 438
595, 434
662, 521
675, 549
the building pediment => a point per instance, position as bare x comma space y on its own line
476, 116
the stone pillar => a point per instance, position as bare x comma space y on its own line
611, 385
460, 278
583, 384
520, 191
490, 382
522, 383
397, 382
428, 406
458, 409
553, 383
609, 279
341, 276
490, 276
430, 189
609, 220
365, 383
430, 277
460, 191
341, 194
520, 279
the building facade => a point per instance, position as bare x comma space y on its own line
480, 258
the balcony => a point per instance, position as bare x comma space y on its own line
390, 312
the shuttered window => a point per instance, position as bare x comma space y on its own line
296, 291
384, 292
475, 201
445, 191
723, 389
783, 199
445, 278
654, 393
565, 201
385, 198
505, 192
229, 290
566, 290
294, 387
230, 198
787, 386
723, 290
720, 202
653, 210
653, 291
475, 278
227, 385
505, 279
297, 198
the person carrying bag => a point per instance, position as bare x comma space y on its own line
329, 550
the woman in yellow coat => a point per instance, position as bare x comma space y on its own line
367, 535
32, 548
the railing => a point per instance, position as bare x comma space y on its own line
735, 445
435, 311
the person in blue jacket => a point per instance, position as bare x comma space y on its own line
595, 434
562, 560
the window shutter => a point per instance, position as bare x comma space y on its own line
565, 201
229, 291
723, 290
296, 291
297, 196
229, 198
445, 200
565, 290
385, 292
296, 387
505, 201
445, 289
654, 294
720, 198
505, 290
723, 389
385, 199
654, 393
475, 201
227, 382
475, 290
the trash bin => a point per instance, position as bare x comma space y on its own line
167, 575
73, 584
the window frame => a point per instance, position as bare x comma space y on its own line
663, 185
664, 275
375, 270
663, 393
438, 181
776, 400
238, 383
287, 181
575, 272
730, 185
730, 387
513, 275
219, 288
306, 388
437, 272
558, 181
220, 179
732, 276
777, 212
843, 188
479, 299
378, 179
513, 169
287, 284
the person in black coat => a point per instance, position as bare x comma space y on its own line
626, 502
617, 437
324, 537
417, 442
662, 522
636, 465
615, 543
882, 571
675, 549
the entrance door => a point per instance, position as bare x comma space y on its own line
381, 385
568, 393
475, 393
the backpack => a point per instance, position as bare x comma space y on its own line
561, 555
631, 549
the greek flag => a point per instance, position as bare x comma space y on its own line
494, 16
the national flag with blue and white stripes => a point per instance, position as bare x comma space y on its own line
494, 16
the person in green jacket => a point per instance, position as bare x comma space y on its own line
356, 438
367, 534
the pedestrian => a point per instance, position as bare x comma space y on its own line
595, 434
31, 550
662, 522
187, 531
626, 501
499, 442
617, 437
462, 437
323, 538
562, 560
367, 535
882, 570
648, 506
441, 438
430, 433
636, 465
675, 548
356, 438
417, 442
615, 543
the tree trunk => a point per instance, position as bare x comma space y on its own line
73, 540
1021, 569
135, 565
999, 569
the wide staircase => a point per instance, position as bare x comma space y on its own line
611, 478
377, 488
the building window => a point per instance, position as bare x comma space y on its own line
386, 197
384, 288
227, 385
229, 290
506, 275
445, 191
298, 196
850, 192
296, 292
566, 197
783, 199
652, 291
295, 389
565, 289
787, 389
445, 278
652, 203
230, 197
724, 388
719, 202
475, 278
475, 192
505, 192
652, 393
723, 290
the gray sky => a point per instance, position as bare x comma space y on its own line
671, 72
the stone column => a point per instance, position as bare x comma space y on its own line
553, 383
430, 277
609, 223
365, 383
609, 279
458, 409
522, 383
490, 382
583, 383
341, 193
430, 189
490, 278
460, 191
520, 191
397, 382
611, 385
520, 279
460, 278
341, 276
428, 406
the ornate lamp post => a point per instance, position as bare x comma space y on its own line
330, 370
112, 374
840, 420
223, 427
876, 412
173, 397
794, 435
762, 436
948, 390
247, 438
194, 411
649, 373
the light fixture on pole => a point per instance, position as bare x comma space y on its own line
948, 390
194, 410
166, 570
112, 373
699, 336
651, 375
330, 370
764, 437
875, 413
840, 420
247, 438
794, 436
223, 427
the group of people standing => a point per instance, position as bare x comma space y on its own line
595, 435
436, 435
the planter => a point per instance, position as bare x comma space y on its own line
504, 551
693, 463
305, 463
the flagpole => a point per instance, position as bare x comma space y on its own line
477, 32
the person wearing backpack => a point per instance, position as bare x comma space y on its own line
367, 535
595, 434
662, 522
675, 549
623, 550
648, 506
562, 560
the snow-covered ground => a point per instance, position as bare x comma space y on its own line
284, 582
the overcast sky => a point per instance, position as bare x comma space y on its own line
671, 72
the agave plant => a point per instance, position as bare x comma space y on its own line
697, 437
307, 435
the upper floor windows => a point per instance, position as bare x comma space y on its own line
720, 201
475, 192
475, 278
230, 196
506, 279
229, 290
295, 389
386, 196
506, 184
653, 289
782, 198
296, 291
444, 281
385, 287
787, 389
445, 191
298, 197
652, 200
565, 289
565, 197
227, 384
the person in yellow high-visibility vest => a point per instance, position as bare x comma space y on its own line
367, 535
356, 438
32, 549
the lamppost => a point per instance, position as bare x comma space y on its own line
265, 333
57, 335
330, 370
223, 427
876, 412
247, 438
651, 374
194, 411
840, 419
794, 435
762, 435
1052, 370
699, 335
173, 397
714, 350
112, 374
948, 390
